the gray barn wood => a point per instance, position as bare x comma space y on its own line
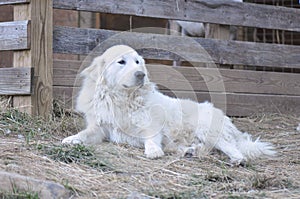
223, 52
8, 2
15, 81
247, 92
235, 104
197, 79
15, 35
213, 11
39, 56
240, 104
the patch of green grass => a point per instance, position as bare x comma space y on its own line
18, 194
62, 122
80, 154
16, 123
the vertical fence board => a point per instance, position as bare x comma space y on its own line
39, 56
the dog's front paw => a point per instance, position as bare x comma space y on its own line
74, 139
237, 162
153, 152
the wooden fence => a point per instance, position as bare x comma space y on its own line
30, 36
247, 91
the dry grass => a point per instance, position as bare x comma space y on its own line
31, 146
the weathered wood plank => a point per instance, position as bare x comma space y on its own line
66, 72
39, 56
15, 81
167, 47
8, 2
22, 58
225, 80
15, 35
216, 31
65, 18
198, 79
6, 14
239, 104
66, 94
233, 104
213, 11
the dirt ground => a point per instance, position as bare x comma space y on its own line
31, 147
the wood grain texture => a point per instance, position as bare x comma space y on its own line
216, 31
39, 56
22, 59
240, 104
167, 47
65, 18
6, 14
15, 81
213, 11
197, 79
231, 103
225, 80
42, 31
8, 2
15, 35
247, 92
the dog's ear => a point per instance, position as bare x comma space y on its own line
95, 69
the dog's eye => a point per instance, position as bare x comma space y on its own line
137, 62
122, 62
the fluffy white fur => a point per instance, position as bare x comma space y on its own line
121, 105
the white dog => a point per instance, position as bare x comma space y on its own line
121, 105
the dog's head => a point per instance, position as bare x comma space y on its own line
119, 67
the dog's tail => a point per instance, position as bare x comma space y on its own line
252, 149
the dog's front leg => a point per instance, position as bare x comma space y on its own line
153, 147
92, 135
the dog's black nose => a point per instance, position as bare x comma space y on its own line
139, 75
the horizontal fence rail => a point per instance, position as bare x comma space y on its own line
198, 79
15, 35
213, 11
9, 2
223, 52
237, 104
16, 81
247, 92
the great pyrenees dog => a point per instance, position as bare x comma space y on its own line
122, 105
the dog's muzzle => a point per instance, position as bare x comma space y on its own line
139, 76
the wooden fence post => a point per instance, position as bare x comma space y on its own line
39, 56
